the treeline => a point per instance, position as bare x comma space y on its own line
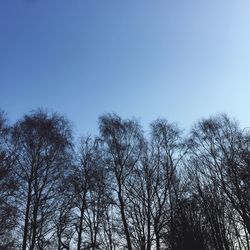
124, 189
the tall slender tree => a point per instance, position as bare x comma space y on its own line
122, 140
42, 144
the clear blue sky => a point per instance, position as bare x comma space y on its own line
177, 59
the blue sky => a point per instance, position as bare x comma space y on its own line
181, 60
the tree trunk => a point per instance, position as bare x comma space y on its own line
124, 221
26, 223
79, 241
34, 226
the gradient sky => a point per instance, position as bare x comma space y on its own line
176, 59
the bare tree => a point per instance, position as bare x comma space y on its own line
98, 201
90, 194
124, 190
167, 152
63, 218
220, 157
122, 140
42, 144
8, 187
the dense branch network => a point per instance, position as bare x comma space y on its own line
123, 189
